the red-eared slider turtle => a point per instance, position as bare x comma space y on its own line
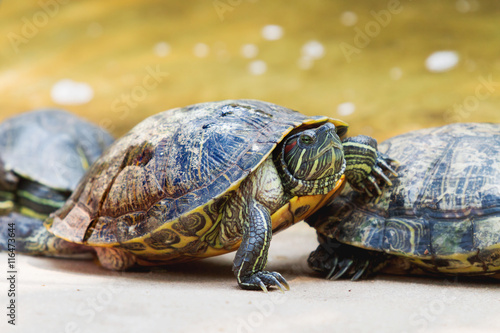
43, 156
208, 179
442, 214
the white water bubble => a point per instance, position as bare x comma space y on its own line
441, 61
257, 67
162, 49
220, 50
466, 6
272, 32
201, 50
313, 49
305, 62
69, 92
94, 30
463, 6
348, 18
249, 51
345, 109
395, 73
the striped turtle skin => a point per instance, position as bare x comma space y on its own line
43, 155
441, 216
208, 179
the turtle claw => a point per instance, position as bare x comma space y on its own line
364, 188
377, 178
344, 267
263, 286
263, 280
334, 268
361, 271
285, 284
378, 171
373, 181
341, 261
281, 287
384, 162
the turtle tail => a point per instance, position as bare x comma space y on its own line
27, 235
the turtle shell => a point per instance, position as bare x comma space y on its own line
157, 188
443, 209
51, 147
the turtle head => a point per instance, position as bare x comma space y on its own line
312, 160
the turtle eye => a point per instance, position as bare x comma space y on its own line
306, 139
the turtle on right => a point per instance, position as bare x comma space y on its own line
441, 216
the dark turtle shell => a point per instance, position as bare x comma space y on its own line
43, 155
171, 164
51, 147
443, 209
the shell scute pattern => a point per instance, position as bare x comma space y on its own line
252, 156
490, 258
407, 236
449, 237
453, 185
190, 225
162, 239
136, 247
128, 226
483, 227
102, 230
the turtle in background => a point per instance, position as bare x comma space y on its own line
212, 178
441, 216
43, 155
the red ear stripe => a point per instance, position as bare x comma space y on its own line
289, 146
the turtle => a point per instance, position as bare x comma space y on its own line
211, 178
440, 217
43, 155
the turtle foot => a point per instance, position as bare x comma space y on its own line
115, 259
378, 177
263, 280
341, 261
367, 169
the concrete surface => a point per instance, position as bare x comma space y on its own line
55, 295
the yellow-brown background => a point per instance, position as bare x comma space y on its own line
115, 62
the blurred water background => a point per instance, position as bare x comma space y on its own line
385, 67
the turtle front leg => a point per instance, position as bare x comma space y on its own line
251, 257
365, 165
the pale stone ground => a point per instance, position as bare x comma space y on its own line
79, 296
